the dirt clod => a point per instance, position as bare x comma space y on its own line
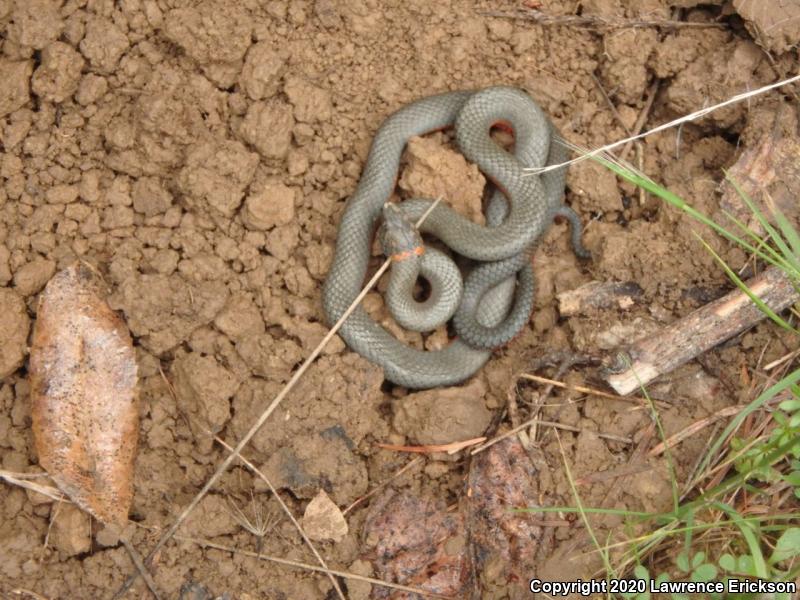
71, 532
14, 328
440, 416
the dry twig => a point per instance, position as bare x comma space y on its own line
307, 567
700, 331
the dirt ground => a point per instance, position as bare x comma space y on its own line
199, 153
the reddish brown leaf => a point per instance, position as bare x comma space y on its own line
83, 394
413, 540
501, 479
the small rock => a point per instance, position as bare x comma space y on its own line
34, 23
14, 328
775, 27
115, 217
360, 590
273, 205
441, 416
71, 531
32, 277
500, 29
327, 459
90, 89
596, 187
208, 34
310, 335
323, 521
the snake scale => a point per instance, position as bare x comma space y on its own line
495, 300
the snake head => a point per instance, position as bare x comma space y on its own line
399, 236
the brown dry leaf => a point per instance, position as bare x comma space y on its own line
501, 479
83, 395
413, 540
323, 521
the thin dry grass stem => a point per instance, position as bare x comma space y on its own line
451, 448
140, 567
652, 91
565, 364
695, 427
529, 422
719, 470
611, 105
262, 522
513, 410
418, 460
307, 567
693, 472
671, 124
21, 480
286, 510
592, 391
783, 359
598, 21
53, 517
640, 121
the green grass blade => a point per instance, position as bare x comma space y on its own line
792, 236
742, 286
761, 249
784, 384
789, 255
777, 239
749, 536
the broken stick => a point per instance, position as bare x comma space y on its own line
703, 329
598, 295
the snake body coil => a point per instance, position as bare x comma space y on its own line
497, 295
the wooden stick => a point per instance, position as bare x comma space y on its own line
703, 329
598, 295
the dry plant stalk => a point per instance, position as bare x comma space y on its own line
83, 395
701, 330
